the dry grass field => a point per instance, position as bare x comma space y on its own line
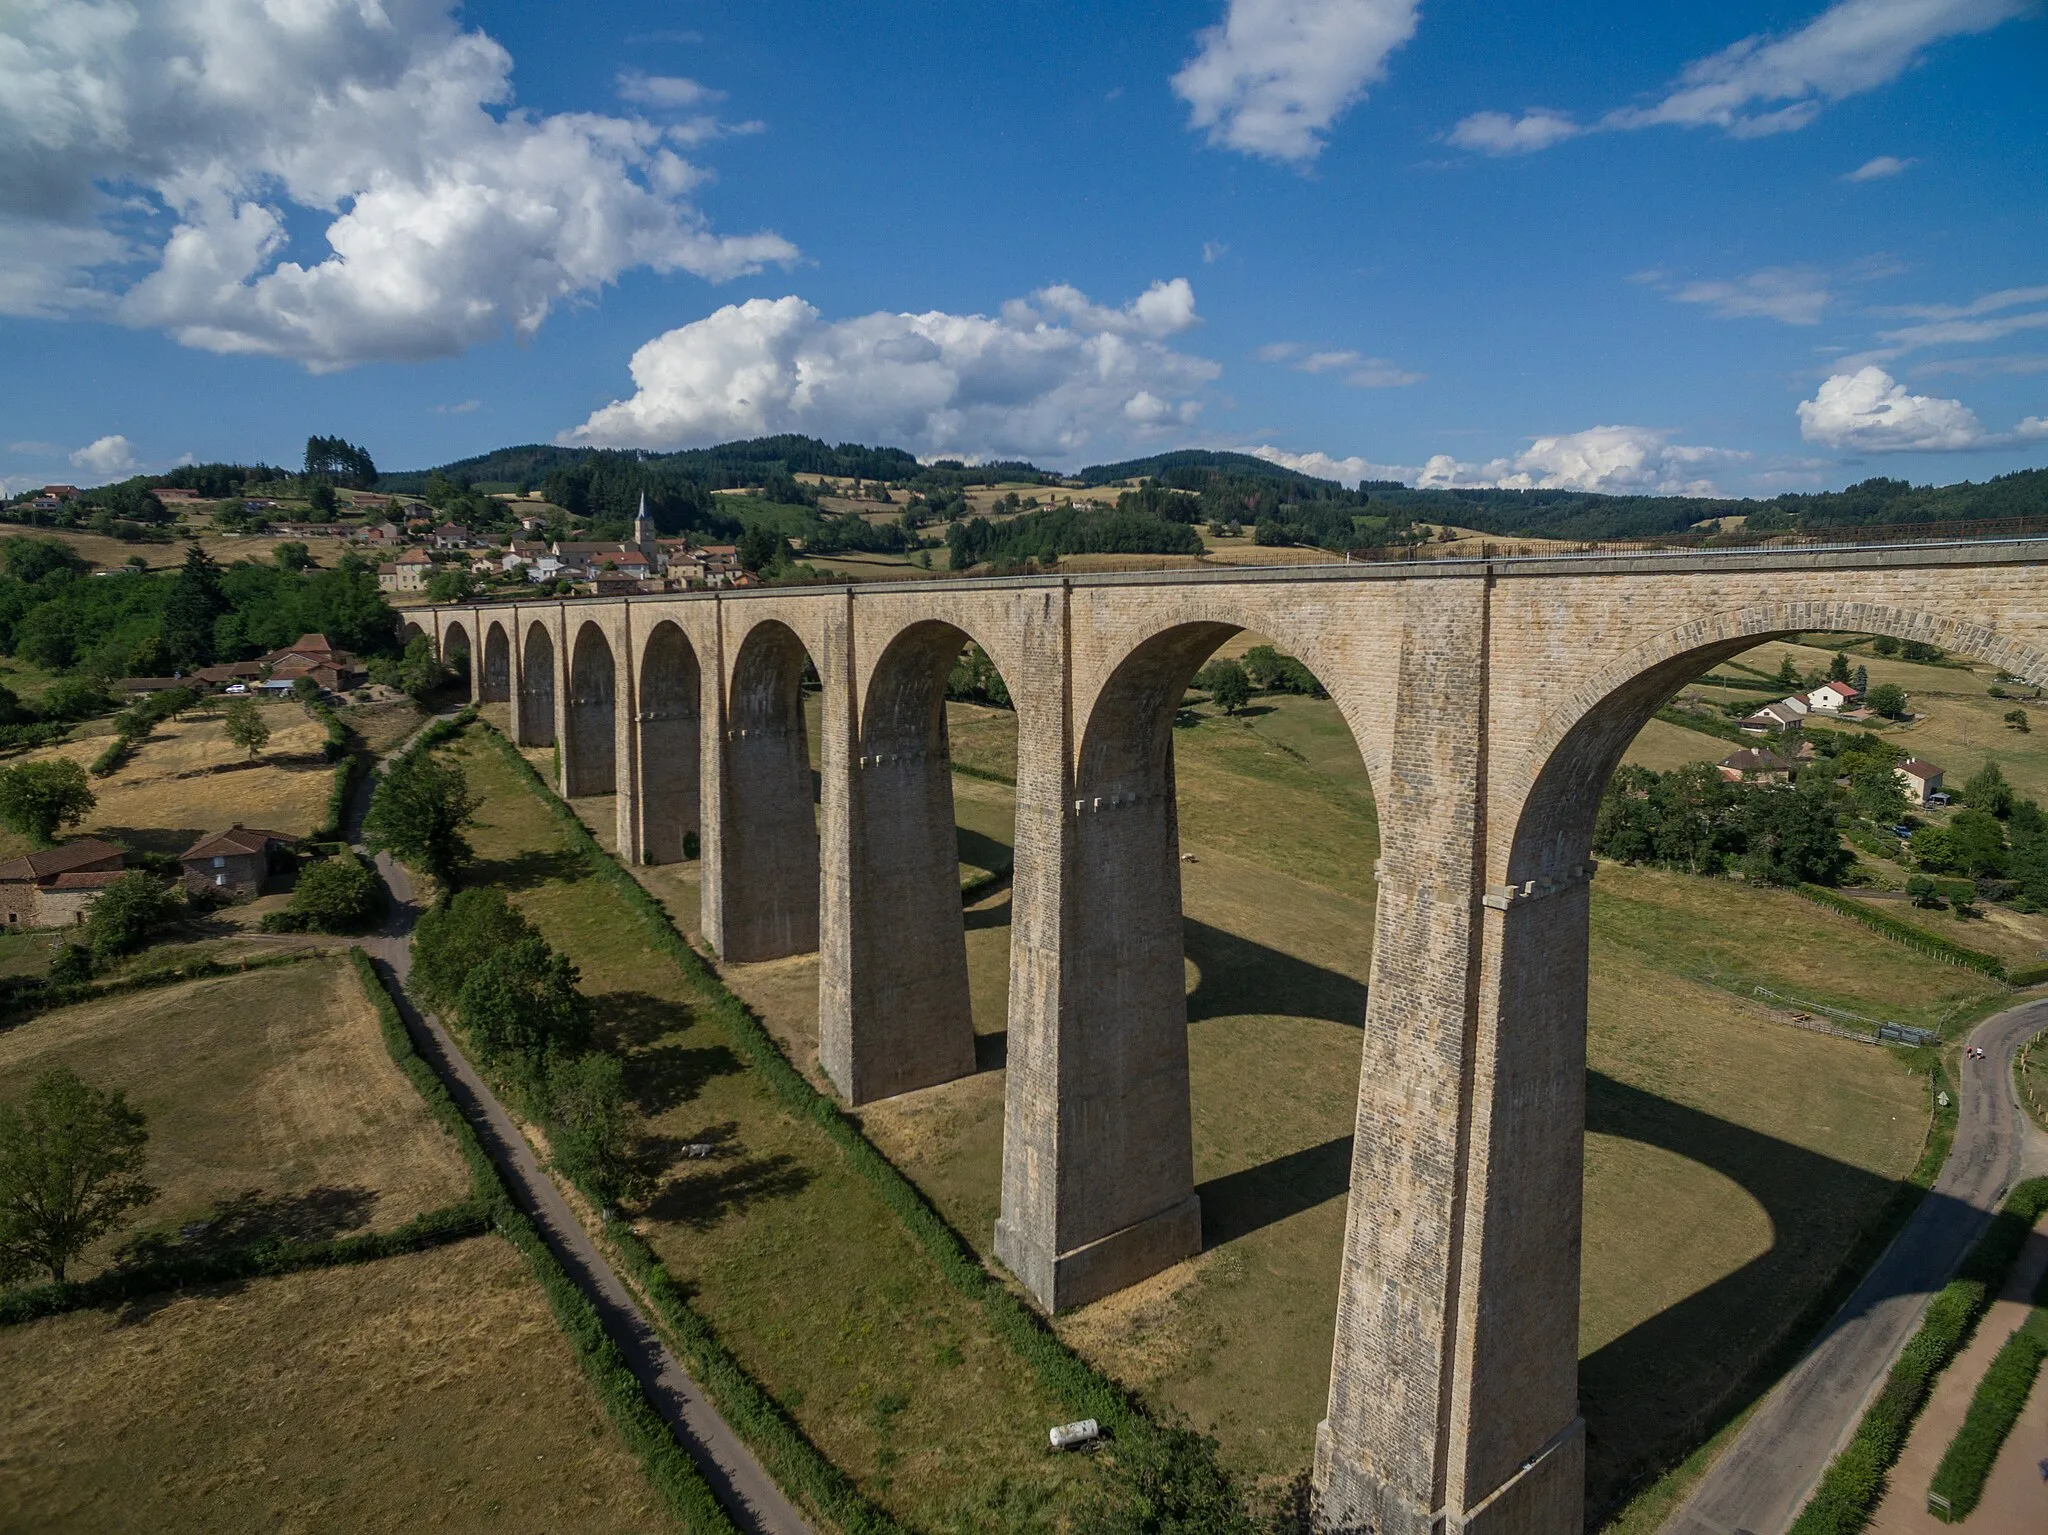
272, 1104
892, 1373
427, 1391
226, 548
162, 799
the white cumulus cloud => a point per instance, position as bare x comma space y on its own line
1618, 460
1878, 168
1496, 133
1762, 84
106, 456
187, 140
1272, 76
1872, 412
1047, 376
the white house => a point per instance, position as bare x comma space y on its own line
1832, 698
1788, 714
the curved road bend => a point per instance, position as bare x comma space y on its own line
745, 1490
1763, 1479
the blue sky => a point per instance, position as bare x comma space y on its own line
1741, 247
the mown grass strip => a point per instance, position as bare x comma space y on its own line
1885, 925
1854, 1481
664, 1462
1176, 1474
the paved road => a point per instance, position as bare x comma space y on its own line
1760, 1483
746, 1491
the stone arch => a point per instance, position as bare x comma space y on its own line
670, 738
537, 686
1557, 790
768, 822
455, 648
906, 1020
497, 674
408, 631
590, 751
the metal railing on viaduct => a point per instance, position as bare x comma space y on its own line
1491, 701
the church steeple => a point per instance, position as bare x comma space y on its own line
643, 529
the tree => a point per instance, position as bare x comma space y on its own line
190, 610
1876, 792
1977, 844
321, 498
1888, 699
592, 1133
451, 584
761, 548
72, 965
1885, 645
523, 1012
69, 1157
2017, 719
1838, 668
246, 726
1228, 685
1788, 674
293, 557
341, 461
38, 797
1794, 838
1860, 681
337, 895
417, 814
305, 689
451, 940
1987, 790
127, 912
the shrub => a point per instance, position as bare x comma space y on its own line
337, 895
127, 912
1993, 1411
452, 940
72, 966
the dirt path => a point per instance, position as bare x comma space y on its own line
2016, 1496
743, 1488
1763, 1479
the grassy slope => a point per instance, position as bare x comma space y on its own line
269, 1093
340, 1398
892, 1373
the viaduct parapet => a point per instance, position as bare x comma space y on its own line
1491, 701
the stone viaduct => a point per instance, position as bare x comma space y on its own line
1491, 701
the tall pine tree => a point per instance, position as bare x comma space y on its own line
195, 601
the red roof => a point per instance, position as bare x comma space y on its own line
84, 879
236, 839
51, 861
1919, 769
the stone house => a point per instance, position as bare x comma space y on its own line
1756, 766
56, 886
235, 862
408, 573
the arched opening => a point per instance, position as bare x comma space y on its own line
408, 631
497, 678
455, 648
906, 1018
670, 717
768, 890
1675, 955
537, 687
590, 754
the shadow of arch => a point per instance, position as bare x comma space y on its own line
408, 631
537, 687
1241, 975
590, 754
1663, 1387
497, 677
670, 740
769, 828
907, 1020
455, 648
